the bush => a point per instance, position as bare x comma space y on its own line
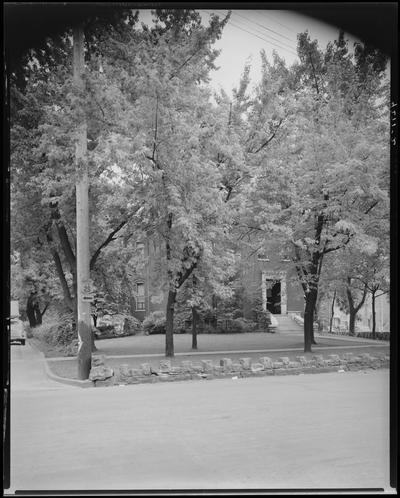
60, 334
382, 336
232, 326
117, 325
132, 325
237, 314
240, 325
155, 323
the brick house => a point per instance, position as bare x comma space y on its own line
149, 280
270, 283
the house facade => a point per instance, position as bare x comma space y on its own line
149, 281
270, 283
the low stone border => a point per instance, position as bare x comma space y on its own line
102, 375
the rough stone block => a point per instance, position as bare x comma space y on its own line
198, 369
277, 364
105, 383
236, 367
319, 360
226, 363
98, 360
165, 366
246, 373
176, 370
101, 373
123, 370
187, 366
198, 376
333, 359
257, 367
245, 363
355, 359
145, 368
285, 360
294, 364
207, 366
366, 356
302, 360
266, 362
154, 370
348, 356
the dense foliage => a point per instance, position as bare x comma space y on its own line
302, 159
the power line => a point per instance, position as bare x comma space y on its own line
265, 27
281, 43
267, 41
256, 35
267, 14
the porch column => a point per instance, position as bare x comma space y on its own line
264, 291
283, 295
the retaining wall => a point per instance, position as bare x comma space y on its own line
102, 375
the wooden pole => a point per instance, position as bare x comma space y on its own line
82, 219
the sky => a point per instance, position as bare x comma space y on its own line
250, 31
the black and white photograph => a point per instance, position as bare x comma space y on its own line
199, 202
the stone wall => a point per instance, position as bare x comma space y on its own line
102, 375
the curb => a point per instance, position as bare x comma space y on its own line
57, 378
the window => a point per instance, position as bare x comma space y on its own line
140, 298
262, 257
140, 249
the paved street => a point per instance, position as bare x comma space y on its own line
306, 431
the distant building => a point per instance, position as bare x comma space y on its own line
149, 280
270, 283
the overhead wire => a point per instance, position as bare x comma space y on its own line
267, 13
256, 35
265, 27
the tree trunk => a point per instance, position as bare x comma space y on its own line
354, 309
352, 321
38, 314
311, 299
332, 312
194, 328
92, 341
30, 311
169, 332
373, 316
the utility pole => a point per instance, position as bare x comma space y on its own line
82, 218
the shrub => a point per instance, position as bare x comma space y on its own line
132, 325
241, 325
155, 323
117, 325
237, 314
60, 334
382, 336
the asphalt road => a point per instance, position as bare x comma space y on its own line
308, 431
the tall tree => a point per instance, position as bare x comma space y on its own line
326, 169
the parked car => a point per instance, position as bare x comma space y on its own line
16, 325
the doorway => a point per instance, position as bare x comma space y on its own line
274, 296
